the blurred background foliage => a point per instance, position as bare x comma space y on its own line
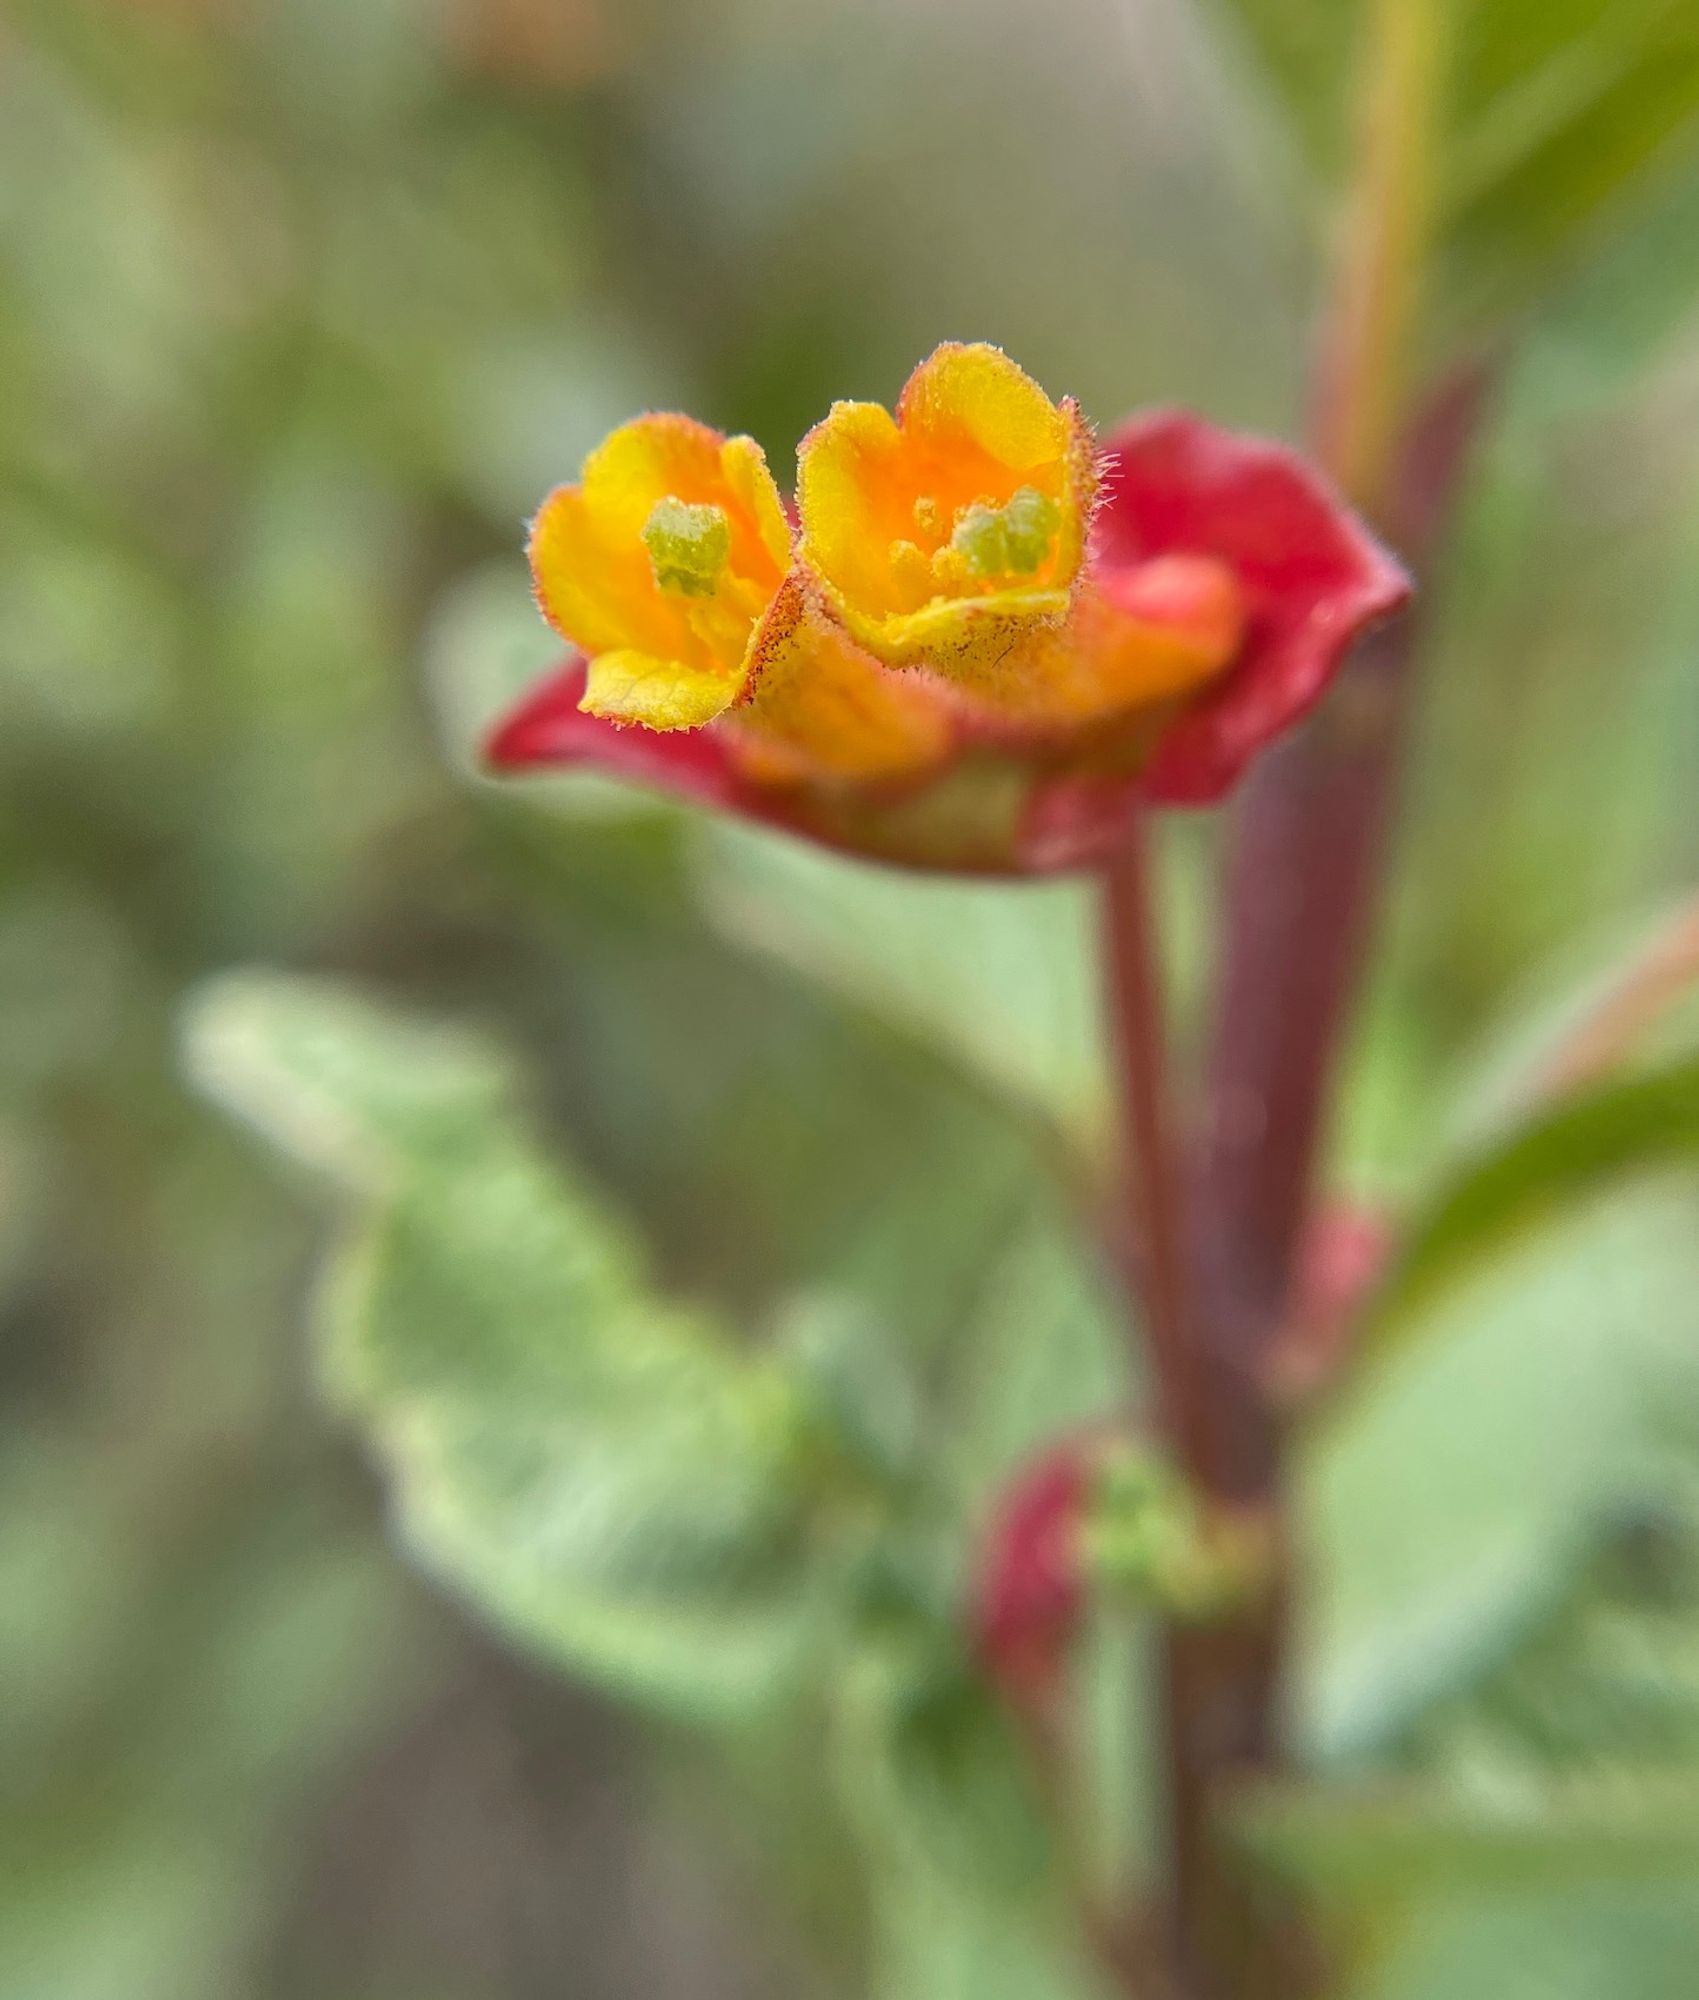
303, 303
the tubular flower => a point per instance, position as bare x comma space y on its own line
668, 565
984, 646
951, 533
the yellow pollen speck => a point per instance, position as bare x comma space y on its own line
928, 516
688, 546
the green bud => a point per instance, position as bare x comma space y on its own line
1150, 1539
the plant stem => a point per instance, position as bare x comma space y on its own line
1305, 863
1216, 1677
1368, 352
1150, 1156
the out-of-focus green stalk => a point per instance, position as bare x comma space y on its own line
1367, 381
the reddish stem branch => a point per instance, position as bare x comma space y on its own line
1217, 1679
1304, 870
1307, 857
1150, 1164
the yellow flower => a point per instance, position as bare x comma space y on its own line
659, 566
669, 567
951, 533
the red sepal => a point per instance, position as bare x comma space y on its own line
900, 826
1314, 578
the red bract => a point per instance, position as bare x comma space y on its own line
1039, 772
947, 824
1313, 577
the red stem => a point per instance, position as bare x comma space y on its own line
1150, 1162
1219, 1678
1304, 870
1306, 862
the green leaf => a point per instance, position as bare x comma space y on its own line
599, 1469
1460, 1489
1561, 108
1410, 1836
1510, 1073
1557, 1160
934, 1771
1580, 1940
1555, 112
930, 1944
339, 1085
1048, 1355
965, 1895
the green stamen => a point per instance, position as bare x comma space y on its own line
1011, 540
1031, 523
689, 546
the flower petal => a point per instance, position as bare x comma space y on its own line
852, 501
744, 466
972, 391
659, 694
590, 589
1313, 579
819, 704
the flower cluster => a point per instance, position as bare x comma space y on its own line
980, 639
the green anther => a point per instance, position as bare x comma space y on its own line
1011, 540
688, 546
1030, 521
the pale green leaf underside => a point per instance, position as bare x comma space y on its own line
598, 1469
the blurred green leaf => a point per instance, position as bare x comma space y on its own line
998, 978
1048, 1354
1512, 1070
966, 1900
334, 1082
484, 647
597, 1468
1555, 111
1577, 1940
1559, 1159
933, 1769
1457, 1492
1410, 1837
930, 1944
